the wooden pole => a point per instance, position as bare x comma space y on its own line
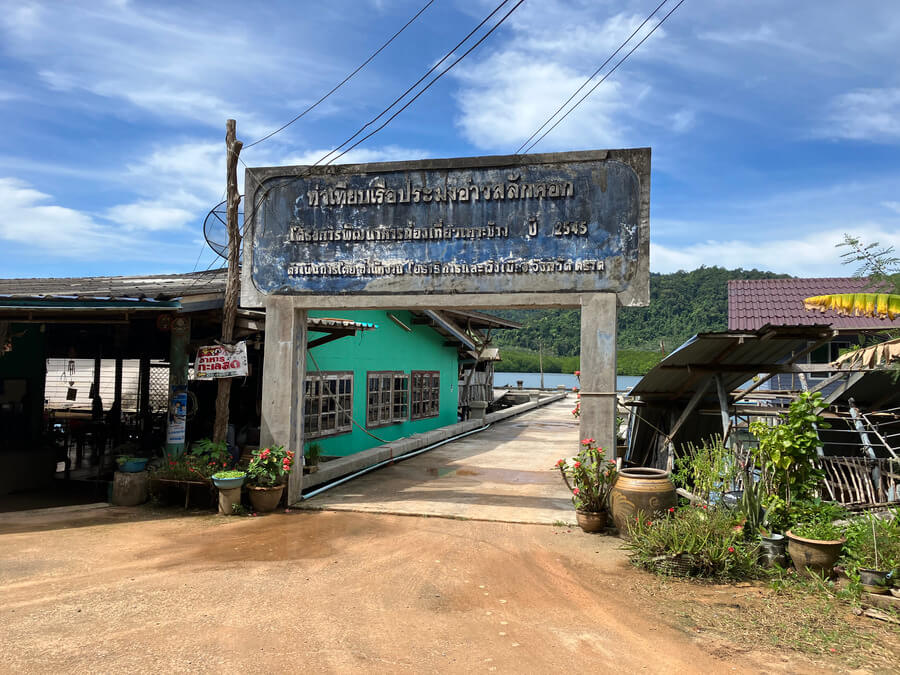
232, 284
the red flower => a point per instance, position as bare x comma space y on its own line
561, 462
731, 549
575, 491
671, 509
703, 506
576, 464
577, 373
649, 523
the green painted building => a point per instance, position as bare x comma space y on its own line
380, 385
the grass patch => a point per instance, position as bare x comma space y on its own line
807, 617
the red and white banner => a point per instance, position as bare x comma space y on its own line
219, 361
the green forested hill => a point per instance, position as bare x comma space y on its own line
682, 304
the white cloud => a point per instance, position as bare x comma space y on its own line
893, 206
509, 96
150, 215
33, 219
811, 254
865, 114
166, 62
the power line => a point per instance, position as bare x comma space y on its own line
603, 79
435, 79
248, 217
593, 75
346, 79
415, 84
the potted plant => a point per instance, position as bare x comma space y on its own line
815, 546
228, 480
872, 553
266, 475
312, 454
128, 464
590, 478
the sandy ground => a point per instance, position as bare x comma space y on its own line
141, 590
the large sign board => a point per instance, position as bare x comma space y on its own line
562, 223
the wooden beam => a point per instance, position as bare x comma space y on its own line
330, 337
688, 409
752, 367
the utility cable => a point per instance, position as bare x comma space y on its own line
259, 202
346, 79
416, 83
603, 79
435, 79
593, 75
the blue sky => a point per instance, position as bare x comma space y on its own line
774, 126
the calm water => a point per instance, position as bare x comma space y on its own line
553, 380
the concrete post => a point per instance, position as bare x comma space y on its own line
284, 370
598, 370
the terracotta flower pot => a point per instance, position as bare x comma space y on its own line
265, 499
640, 490
814, 556
591, 521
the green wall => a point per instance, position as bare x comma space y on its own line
389, 347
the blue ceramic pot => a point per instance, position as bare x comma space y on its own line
134, 465
228, 483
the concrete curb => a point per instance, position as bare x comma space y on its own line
338, 468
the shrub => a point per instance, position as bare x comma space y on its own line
787, 451
711, 537
270, 466
705, 469
867, 534
589, 478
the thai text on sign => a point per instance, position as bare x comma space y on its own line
562, 223
221, 361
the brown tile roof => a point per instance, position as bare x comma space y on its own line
753, 303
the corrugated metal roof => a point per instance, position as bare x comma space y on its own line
736, 355
140, 288
319, 323
753, 303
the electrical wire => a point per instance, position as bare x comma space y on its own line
435, 79
593, 75
346, 79
416, 83
603, 79
248, 217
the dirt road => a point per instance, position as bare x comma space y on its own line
133, 590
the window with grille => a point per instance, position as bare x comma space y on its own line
387, 398
425, 394
328, 405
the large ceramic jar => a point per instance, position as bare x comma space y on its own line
640, 491
265, 499
814, 556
